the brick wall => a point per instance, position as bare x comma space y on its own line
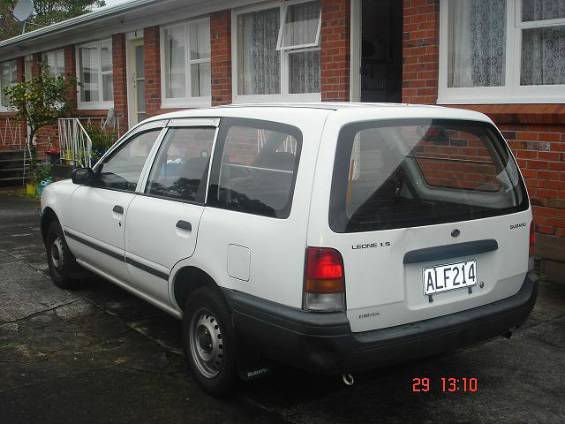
220, 43
152, 71
420, 51
120, 80
335, 50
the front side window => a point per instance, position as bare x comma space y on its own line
181, 168
278, 50
95, 74
257, 166
8, 77
121, 170
502, 51
410, 173
55, 62
186, 63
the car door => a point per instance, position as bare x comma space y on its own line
95, 231
163, 218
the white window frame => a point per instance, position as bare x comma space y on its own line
4, 108
284, 12
101, 104
188, 100
44, 59
512, 91
284, 94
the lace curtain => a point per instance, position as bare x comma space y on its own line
543, 49
257, 55
477, 53
301, 27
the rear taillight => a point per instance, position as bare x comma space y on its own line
324, 282
532, 245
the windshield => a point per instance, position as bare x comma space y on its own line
408, 173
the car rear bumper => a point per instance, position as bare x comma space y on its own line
324, 342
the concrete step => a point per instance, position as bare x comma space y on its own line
13, 163
11, 154
13, 173
11, 181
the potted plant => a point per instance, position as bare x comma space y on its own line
39, 102
102, 139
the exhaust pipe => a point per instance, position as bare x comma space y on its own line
348, 379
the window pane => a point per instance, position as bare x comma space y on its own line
199, 34
181, 168
108, 87
122, 170
140, 62
106, 59
304, 72
301, 25
89, 72
200, 74
537, 10
421, 172
55, 62
175, 62
258, 59
8, 76
258, 168
543, 56
477, 43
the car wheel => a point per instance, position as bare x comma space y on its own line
59, 258
209, 342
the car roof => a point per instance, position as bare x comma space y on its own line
349, 110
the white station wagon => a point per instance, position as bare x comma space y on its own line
331, 237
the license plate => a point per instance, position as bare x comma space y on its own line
443, 278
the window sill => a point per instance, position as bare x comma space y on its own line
95, 106
278, 98
481, 100
186, 103
523, 113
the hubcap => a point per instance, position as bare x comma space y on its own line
57, 255
206, 344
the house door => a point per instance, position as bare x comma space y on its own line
136, 81
377, 50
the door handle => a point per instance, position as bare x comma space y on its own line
118, 209
185, 226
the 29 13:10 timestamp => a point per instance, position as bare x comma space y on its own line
447, 384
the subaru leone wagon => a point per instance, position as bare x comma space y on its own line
335, 238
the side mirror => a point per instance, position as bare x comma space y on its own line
82, 176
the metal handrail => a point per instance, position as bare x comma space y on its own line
74, 142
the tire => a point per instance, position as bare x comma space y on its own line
61, 261
209, 342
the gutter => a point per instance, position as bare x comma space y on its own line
77, 21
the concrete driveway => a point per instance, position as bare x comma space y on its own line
100, 355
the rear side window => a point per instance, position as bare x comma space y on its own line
180, 170
409, 173
256, 172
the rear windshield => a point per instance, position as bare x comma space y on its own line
409, 173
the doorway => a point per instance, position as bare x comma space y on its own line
377, 51
136, 81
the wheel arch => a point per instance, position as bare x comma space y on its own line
187, 280
47, 217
